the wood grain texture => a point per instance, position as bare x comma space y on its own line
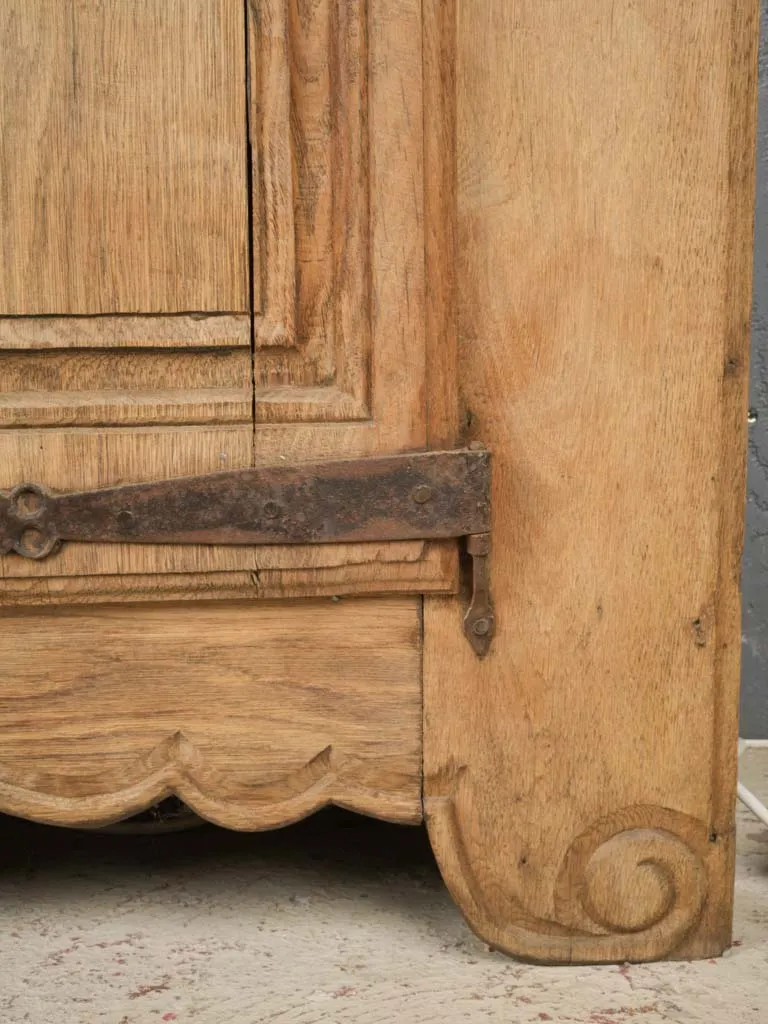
254, 715
274, 254
273, 575
123, 157
440, 209
341, 183
85, 400
385, 214
71, 459
103, 373
376, 133
337, 126
311, 195
197, 330
386, 566
124, 371
80, 384
579, 783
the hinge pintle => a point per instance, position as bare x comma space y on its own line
480, 619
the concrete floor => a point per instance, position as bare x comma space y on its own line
338, 919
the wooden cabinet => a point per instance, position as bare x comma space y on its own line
274, 233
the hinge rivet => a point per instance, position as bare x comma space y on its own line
422, 494
482, 627
271, 510
27, 502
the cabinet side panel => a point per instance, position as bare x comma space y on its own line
580, 781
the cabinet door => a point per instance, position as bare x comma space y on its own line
215, 222
217, 218
124, 309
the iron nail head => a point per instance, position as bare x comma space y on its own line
422, 494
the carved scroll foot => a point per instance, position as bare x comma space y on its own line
632, 887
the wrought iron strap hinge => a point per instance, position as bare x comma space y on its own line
422, 496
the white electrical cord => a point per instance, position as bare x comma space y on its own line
746, 796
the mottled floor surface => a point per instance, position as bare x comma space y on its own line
335, 920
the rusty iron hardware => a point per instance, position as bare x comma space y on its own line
480, 620
421, 496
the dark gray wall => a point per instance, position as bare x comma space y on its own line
754, 691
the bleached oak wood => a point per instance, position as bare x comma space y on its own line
122, 157
125, 408
339, 204
255, 715
432, 572
274, 251
440, 156
222, 330
339, 241
467, 224
312, 196
62, 372
579, 783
